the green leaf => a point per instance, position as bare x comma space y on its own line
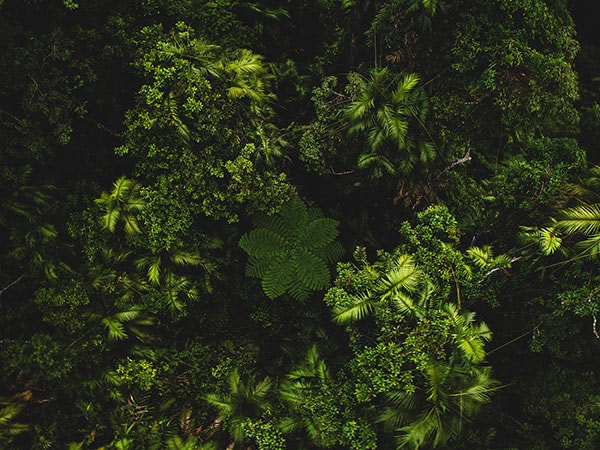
154, 271
116, 330
263, 243
481, 256
279, 277
584, 219
362, 305
548, 240
318, 233
403, 276
311, 270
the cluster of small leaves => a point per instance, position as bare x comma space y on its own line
137, 373
200, 124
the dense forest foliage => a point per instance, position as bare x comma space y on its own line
299, 224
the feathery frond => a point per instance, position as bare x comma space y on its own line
122, 203
362, 305
290, 251
583, 219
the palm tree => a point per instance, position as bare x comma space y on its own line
579, 223
122, 204
390, 111
434, 414
244, 400
310, 393
448, 383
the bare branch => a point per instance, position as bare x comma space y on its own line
496, 269
10, 285
347, 172
462, 160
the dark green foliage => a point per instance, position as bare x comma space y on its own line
290, 251
417, 350
384, 108
140, 138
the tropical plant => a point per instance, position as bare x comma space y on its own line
123, 203
575, 227
436, 413
390, 111
9, 427
420, 353
397, 283
290, 251
245, 399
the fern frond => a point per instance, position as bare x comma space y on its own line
294, 215
127, 316
262, 243
116, 330
481, 256
395, 126
183, 258
406, 85
311, 270
257, 267
427, 152
110, 219
154, 271
299, 290
279, 277
330, 253
318, 233
406, 304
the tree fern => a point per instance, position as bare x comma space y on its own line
290, 251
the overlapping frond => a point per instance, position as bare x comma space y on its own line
290, 251
404, 276
122, 203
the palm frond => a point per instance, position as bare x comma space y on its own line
481, 256
115, 329
583, 219
589, 247
403, 276
362, 305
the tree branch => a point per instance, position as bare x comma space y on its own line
10, 285
462, 160
496, 269
346, 172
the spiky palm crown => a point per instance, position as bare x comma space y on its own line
290, 251
390, 111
